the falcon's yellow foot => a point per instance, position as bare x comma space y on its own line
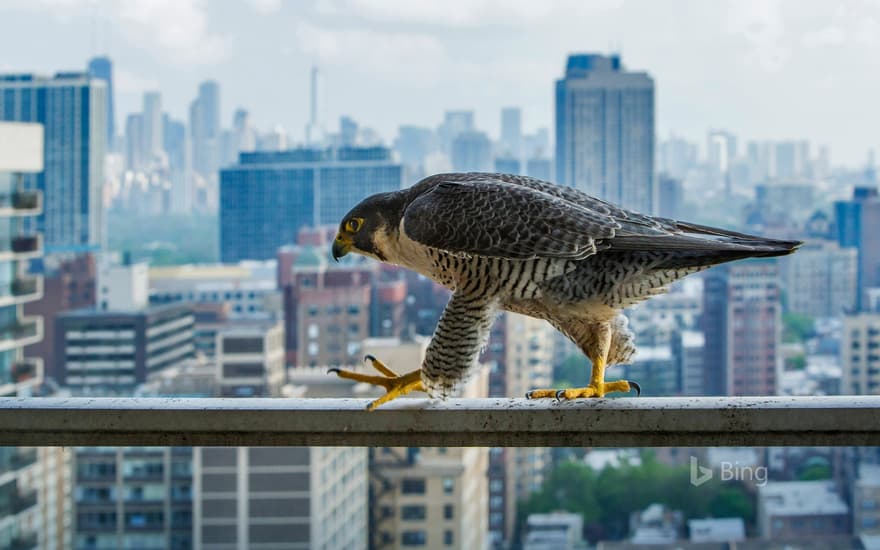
589, 391
394, 385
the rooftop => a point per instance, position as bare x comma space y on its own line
801, 498
243, 270
717, 530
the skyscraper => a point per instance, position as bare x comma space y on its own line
152, 140
471, 152
857, 224
102, 68
605, 131
72, 109
511, 132
454, 123
134, 141
742, 326
204, 127
19, 468
269, 196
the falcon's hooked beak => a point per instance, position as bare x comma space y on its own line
342, 245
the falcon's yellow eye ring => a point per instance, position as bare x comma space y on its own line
354, 224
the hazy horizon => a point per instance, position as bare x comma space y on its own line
763, 70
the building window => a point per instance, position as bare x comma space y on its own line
448, 511
413, 512
413, 538
413, 486
242, 345
448, 485
448, 538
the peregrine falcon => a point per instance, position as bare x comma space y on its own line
519, 244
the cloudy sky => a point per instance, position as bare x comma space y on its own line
760, 68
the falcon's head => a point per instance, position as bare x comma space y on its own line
367, 228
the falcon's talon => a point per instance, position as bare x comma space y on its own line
635, 386
369, 357
334, 370
394, 385
559, 394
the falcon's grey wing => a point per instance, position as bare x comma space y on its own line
621, 229
493, 218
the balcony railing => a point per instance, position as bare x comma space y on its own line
26, 369
24, 201
24, 328
25, 244
24, 286
23, 542
19, 503
623, 422
21, 458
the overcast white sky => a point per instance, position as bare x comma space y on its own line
760, 68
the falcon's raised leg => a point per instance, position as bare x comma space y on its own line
394, 385
602, 343
461, 332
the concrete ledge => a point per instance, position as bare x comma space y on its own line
622, 422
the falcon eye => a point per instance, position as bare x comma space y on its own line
354, 224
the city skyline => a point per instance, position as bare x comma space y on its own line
749, 67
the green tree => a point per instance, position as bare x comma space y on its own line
815, 472
607, 499
733, 501
796, 327
572, 372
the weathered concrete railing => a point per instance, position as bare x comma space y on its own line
629, 422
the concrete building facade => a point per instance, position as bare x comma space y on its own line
21, 156
860, 354
294, 497
742, 328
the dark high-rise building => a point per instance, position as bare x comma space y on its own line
857, 224
102, 67
605, 131
72, 109
269, 196
742, 327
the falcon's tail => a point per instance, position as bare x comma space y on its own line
695, 245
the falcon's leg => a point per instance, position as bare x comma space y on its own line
461, 332
595, 340
394, 385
